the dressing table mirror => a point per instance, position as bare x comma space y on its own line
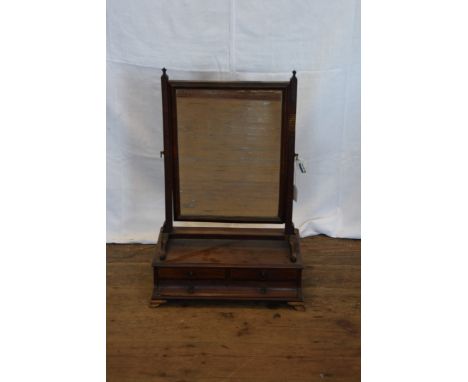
228, 158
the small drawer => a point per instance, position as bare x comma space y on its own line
191, 273
264, 274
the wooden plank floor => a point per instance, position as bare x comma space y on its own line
245, 342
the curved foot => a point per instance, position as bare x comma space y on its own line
156, 303
298, 306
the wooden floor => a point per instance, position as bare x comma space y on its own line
248, 342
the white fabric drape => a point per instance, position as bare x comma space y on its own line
235, 40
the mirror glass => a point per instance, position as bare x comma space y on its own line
229, 151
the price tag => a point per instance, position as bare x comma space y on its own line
302, 169
301, 164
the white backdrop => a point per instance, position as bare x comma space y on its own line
234, 40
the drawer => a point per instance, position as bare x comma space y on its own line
264, 274
191, 273
234, 290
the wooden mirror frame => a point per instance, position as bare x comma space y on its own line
286, 192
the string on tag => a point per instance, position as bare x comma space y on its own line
300, 164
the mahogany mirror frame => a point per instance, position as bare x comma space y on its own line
171, 174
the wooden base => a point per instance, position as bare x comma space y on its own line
239, 268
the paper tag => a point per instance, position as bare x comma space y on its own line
300, 164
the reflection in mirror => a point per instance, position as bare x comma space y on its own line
229, 152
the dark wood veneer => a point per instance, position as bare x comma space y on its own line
228, 263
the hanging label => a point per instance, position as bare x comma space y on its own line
301, 164
303, 170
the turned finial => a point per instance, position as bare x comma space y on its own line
164, 70
294, 73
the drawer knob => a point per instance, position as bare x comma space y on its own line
190, 273
191, 289
262, 275
263, 290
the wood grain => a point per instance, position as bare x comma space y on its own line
223, 252
249, 341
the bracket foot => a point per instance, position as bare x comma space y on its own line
298, 306
156, 303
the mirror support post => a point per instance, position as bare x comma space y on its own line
291, 136
166, 102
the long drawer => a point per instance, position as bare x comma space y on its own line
234, 290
